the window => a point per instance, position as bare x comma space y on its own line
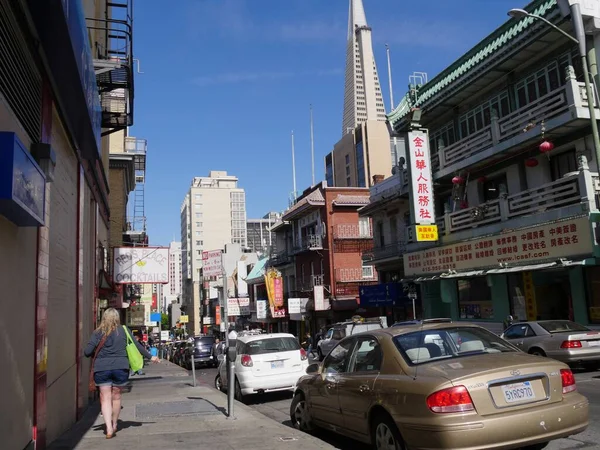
198, 224
367, 356
198, 205
338, 359
481, 116
198, 233
198, 242
347, 159
367, 272
493, 187
271, 345
197, 196
364, 227
475, 299
347, 170
198, 215
348, 181
380, 235
592, 275
442, 136
561, 326
516, 296
449, 343
563, 164
519, 331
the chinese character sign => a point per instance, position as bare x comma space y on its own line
422, 185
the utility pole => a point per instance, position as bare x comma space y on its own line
294, 165
312, 146
230, 364
389, 64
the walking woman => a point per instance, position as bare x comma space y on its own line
111, 365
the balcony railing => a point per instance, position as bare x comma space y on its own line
355, 274
310, 242
281, 258
526, 119
395, 249
576, 188
353, 231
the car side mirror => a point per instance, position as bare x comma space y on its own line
313, 368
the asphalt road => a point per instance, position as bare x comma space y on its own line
277, 407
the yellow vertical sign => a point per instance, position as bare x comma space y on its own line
530, 300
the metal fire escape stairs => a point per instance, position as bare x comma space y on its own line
136, 221
113, 64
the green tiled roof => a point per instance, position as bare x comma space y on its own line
482, 51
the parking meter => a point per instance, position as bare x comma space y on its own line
231, 385
231, 353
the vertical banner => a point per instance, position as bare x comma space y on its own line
217, 314
321, 304
274, 284
421, 180
261, 309
530, 300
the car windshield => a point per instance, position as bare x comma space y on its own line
561, 326
271, 345
448, 343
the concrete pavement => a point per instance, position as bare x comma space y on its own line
163, 411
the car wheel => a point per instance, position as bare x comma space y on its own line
238, 392
299, 414
537, 352
320, 354
219, 384
386, 435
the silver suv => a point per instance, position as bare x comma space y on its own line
340, 330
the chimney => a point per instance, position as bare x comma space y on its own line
377, 179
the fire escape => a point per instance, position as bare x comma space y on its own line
136, 220
113, 63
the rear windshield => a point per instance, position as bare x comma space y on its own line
204, 341
561, 326
271, 345
449, 343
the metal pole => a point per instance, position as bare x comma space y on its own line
294, 165
414, 309
580, 33
193, 369
312, 146
387, 50
230, 364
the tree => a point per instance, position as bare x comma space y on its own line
164, 322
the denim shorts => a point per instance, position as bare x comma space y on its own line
115, 377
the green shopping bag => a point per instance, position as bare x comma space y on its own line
136, 360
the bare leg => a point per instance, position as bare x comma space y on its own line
116, 406
107, 408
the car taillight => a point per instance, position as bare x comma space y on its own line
571, 344
303, 355
568, 381
246, 361
451, 400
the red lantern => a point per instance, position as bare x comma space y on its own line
481, 179
546, 146
531, 162
457, 180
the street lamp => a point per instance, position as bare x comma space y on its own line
580, 41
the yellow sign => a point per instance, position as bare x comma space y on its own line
530, 300
184, 319
427, 233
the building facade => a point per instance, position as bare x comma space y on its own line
54, 229
259, 235
172, 290
213, 214
362, 91
515, 172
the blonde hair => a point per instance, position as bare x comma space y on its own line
110, 321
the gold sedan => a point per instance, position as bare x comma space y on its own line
439, 385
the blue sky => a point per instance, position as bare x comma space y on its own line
225, 81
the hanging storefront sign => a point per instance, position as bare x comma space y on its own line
184, 319
274, 284
141, 265
421, 180
238, 306
564, 239
297, 308
427, 233
212, 263
218, 315
261, 309
321, 303
385, 294
136, 316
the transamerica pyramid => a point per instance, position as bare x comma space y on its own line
362, 92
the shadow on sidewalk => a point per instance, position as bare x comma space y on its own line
75, 434
121, 425
218, 408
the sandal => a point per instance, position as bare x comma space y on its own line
110, 436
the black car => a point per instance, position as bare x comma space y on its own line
202, 349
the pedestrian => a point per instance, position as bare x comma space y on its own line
111, 365
309, 344
508, 321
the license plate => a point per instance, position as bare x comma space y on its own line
518, 392
594, 343
277, 365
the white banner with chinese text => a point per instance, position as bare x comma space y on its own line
420, 174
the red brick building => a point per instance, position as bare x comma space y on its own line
326, 239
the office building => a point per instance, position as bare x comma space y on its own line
259, 235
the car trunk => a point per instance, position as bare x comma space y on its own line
203, 347
588, 339
276, 363
511, 381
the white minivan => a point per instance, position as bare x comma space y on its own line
265, 363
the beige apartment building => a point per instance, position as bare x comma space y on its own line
213, 214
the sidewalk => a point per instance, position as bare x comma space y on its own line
164, 411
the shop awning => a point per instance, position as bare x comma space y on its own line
473, 273
528, 268
257, 273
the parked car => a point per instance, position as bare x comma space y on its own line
342, 329
563, 340
264, 363
439, 385
202, 349
178, 352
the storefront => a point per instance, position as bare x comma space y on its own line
396, 301
542, 272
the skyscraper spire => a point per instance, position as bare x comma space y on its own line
362, 92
